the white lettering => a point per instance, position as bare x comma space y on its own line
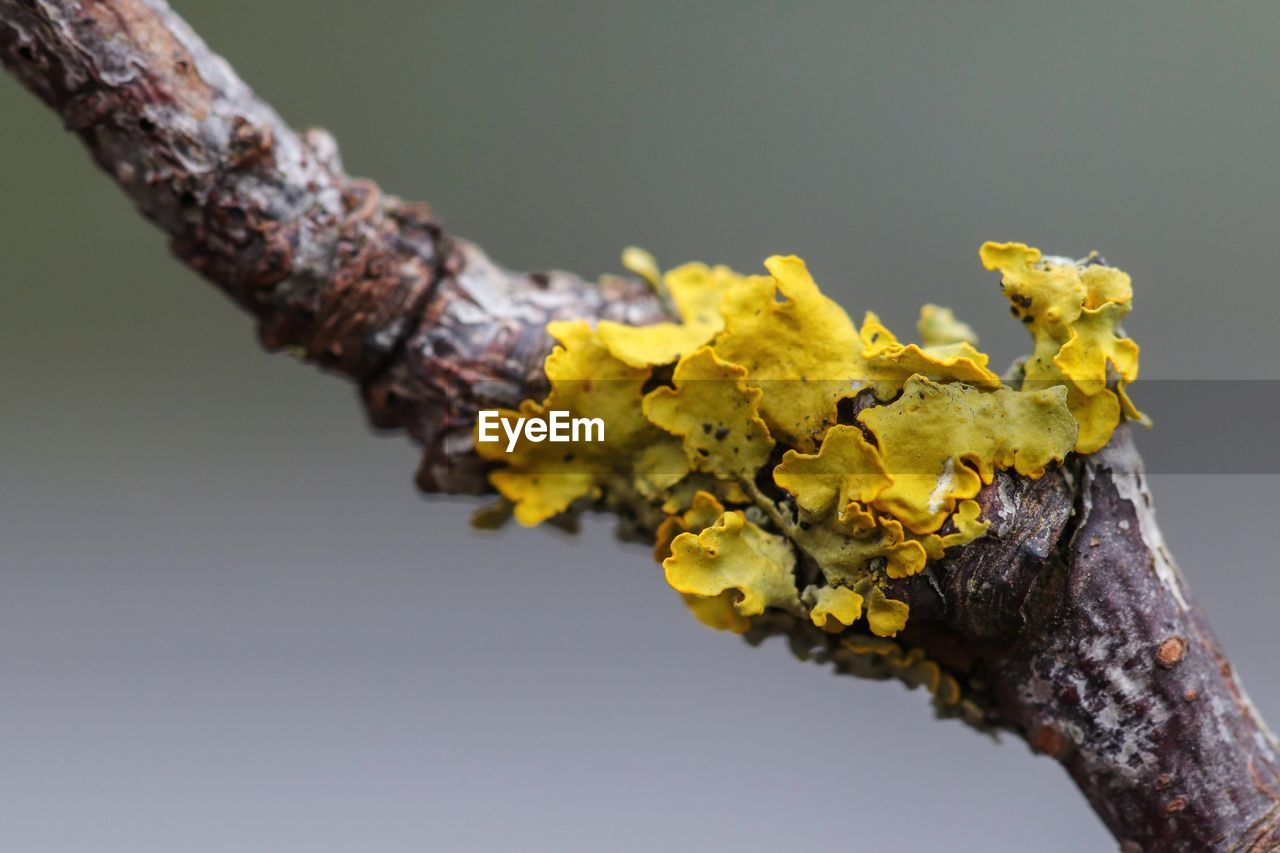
488, 418
513, 433
557, 426
587, 424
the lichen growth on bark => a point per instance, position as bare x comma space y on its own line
761, 432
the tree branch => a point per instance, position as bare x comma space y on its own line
1114, 671
1068, 621
362, 283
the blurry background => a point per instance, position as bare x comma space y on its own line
228, 623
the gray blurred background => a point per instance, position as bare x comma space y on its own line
227, 623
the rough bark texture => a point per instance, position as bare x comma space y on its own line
1122, 681
1070, 611
1074, 613
363, 283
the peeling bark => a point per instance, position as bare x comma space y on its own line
1070, 610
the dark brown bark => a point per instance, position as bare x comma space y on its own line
363, 283
1124, 683
1070, 611
1074, 613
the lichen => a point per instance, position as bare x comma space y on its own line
695, 291
846, 468
715, 414
837, 603
735, 554
890, 364
797, 346
941, 443
776, 447
938, 327
1073, 311
544, 479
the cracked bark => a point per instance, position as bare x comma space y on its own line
1071, 609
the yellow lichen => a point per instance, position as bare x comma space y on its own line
695, 409
1094, 346
540, 480
938, 327
659, 468
544, 479
941, 443
885, 616
890, 364
1073, 311
735, 554
715, 414
845, 468
702, 513
643, 264
844, 545
797, 345
714, 611
717, 611
968, 527
588, 381
911, 665
696, 291
837, 603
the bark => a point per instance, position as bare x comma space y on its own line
362, 283
1073, 611
1069, 620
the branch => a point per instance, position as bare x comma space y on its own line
361, 283
1067, 624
